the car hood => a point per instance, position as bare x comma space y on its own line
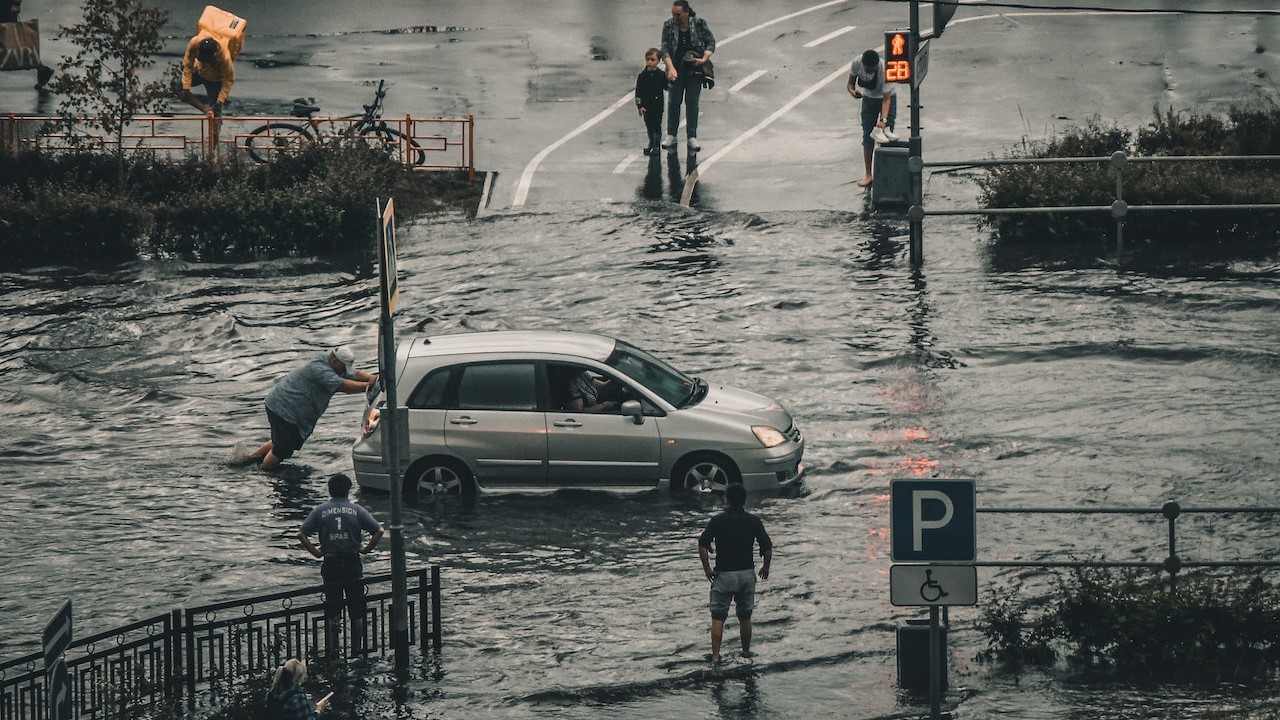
753, 408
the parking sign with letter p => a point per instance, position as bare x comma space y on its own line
933, 520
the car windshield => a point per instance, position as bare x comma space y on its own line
672, 385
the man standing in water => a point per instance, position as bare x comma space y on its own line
296, 403
340, 524
733, 532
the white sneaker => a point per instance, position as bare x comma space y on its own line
890, 135
668, 142
693, 145
879, 136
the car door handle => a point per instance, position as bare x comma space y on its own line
464, 421
570, 422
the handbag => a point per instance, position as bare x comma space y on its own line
20, 45
705, 73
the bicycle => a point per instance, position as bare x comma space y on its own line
275, 137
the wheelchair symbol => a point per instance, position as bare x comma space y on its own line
931, 591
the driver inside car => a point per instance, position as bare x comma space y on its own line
588, 393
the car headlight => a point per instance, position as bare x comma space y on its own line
370, 423
769, 437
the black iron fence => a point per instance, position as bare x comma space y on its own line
1171, 563
1119, 209
198, 655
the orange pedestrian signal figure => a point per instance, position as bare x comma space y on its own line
897, 57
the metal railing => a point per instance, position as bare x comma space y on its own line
153, 664
1171, 563
1119, 209
444, 143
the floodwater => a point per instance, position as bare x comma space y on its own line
1065, 384
1050, 387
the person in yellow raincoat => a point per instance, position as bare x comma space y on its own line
207, 62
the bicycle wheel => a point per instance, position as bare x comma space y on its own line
396, 143
266, 142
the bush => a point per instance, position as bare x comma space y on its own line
1206, 628
320, 201
1162, 236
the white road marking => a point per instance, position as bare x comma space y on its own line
704, 165
526, 177
831, 36
626, 163
747, 80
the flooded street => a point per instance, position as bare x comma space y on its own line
1049, 388
1050, 385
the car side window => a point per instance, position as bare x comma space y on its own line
498, 386
429, 395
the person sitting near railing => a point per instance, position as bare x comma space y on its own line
207, 63
287, 700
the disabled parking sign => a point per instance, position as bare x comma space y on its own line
933, 521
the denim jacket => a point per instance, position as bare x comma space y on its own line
699, 34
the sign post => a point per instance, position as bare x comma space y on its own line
389, 292
54, 643
933, 526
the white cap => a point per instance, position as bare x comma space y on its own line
345, 355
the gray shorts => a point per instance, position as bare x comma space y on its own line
738, 586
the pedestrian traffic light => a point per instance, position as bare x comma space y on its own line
942, 12
897, 57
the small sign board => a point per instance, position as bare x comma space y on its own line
919, 585
389, 284
921, 64
57, 635
54, 643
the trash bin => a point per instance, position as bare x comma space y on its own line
892, 184
913, 652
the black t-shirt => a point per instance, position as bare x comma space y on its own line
684, 45
734, 531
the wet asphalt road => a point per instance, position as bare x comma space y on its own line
549, 84
532, 74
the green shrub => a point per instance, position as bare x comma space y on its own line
1164, 236
1204, 628
66, 208
52, 224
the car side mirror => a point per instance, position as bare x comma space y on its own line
632, 408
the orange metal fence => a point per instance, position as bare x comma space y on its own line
420, 143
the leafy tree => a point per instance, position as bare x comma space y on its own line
101, 86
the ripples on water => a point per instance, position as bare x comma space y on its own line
1069, 386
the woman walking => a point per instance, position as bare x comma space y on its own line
687, 45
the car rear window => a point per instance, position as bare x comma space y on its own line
498, 386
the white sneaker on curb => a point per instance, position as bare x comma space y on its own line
693, 145
879, 136
668, 142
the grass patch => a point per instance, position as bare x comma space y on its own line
67, 210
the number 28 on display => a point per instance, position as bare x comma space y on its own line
897, 61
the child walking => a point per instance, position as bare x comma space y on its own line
650, 85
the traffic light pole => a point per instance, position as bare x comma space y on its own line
915, 160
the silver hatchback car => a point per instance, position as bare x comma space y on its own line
496, 410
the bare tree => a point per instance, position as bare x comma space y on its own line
102, 86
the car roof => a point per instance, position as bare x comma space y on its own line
558, 342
